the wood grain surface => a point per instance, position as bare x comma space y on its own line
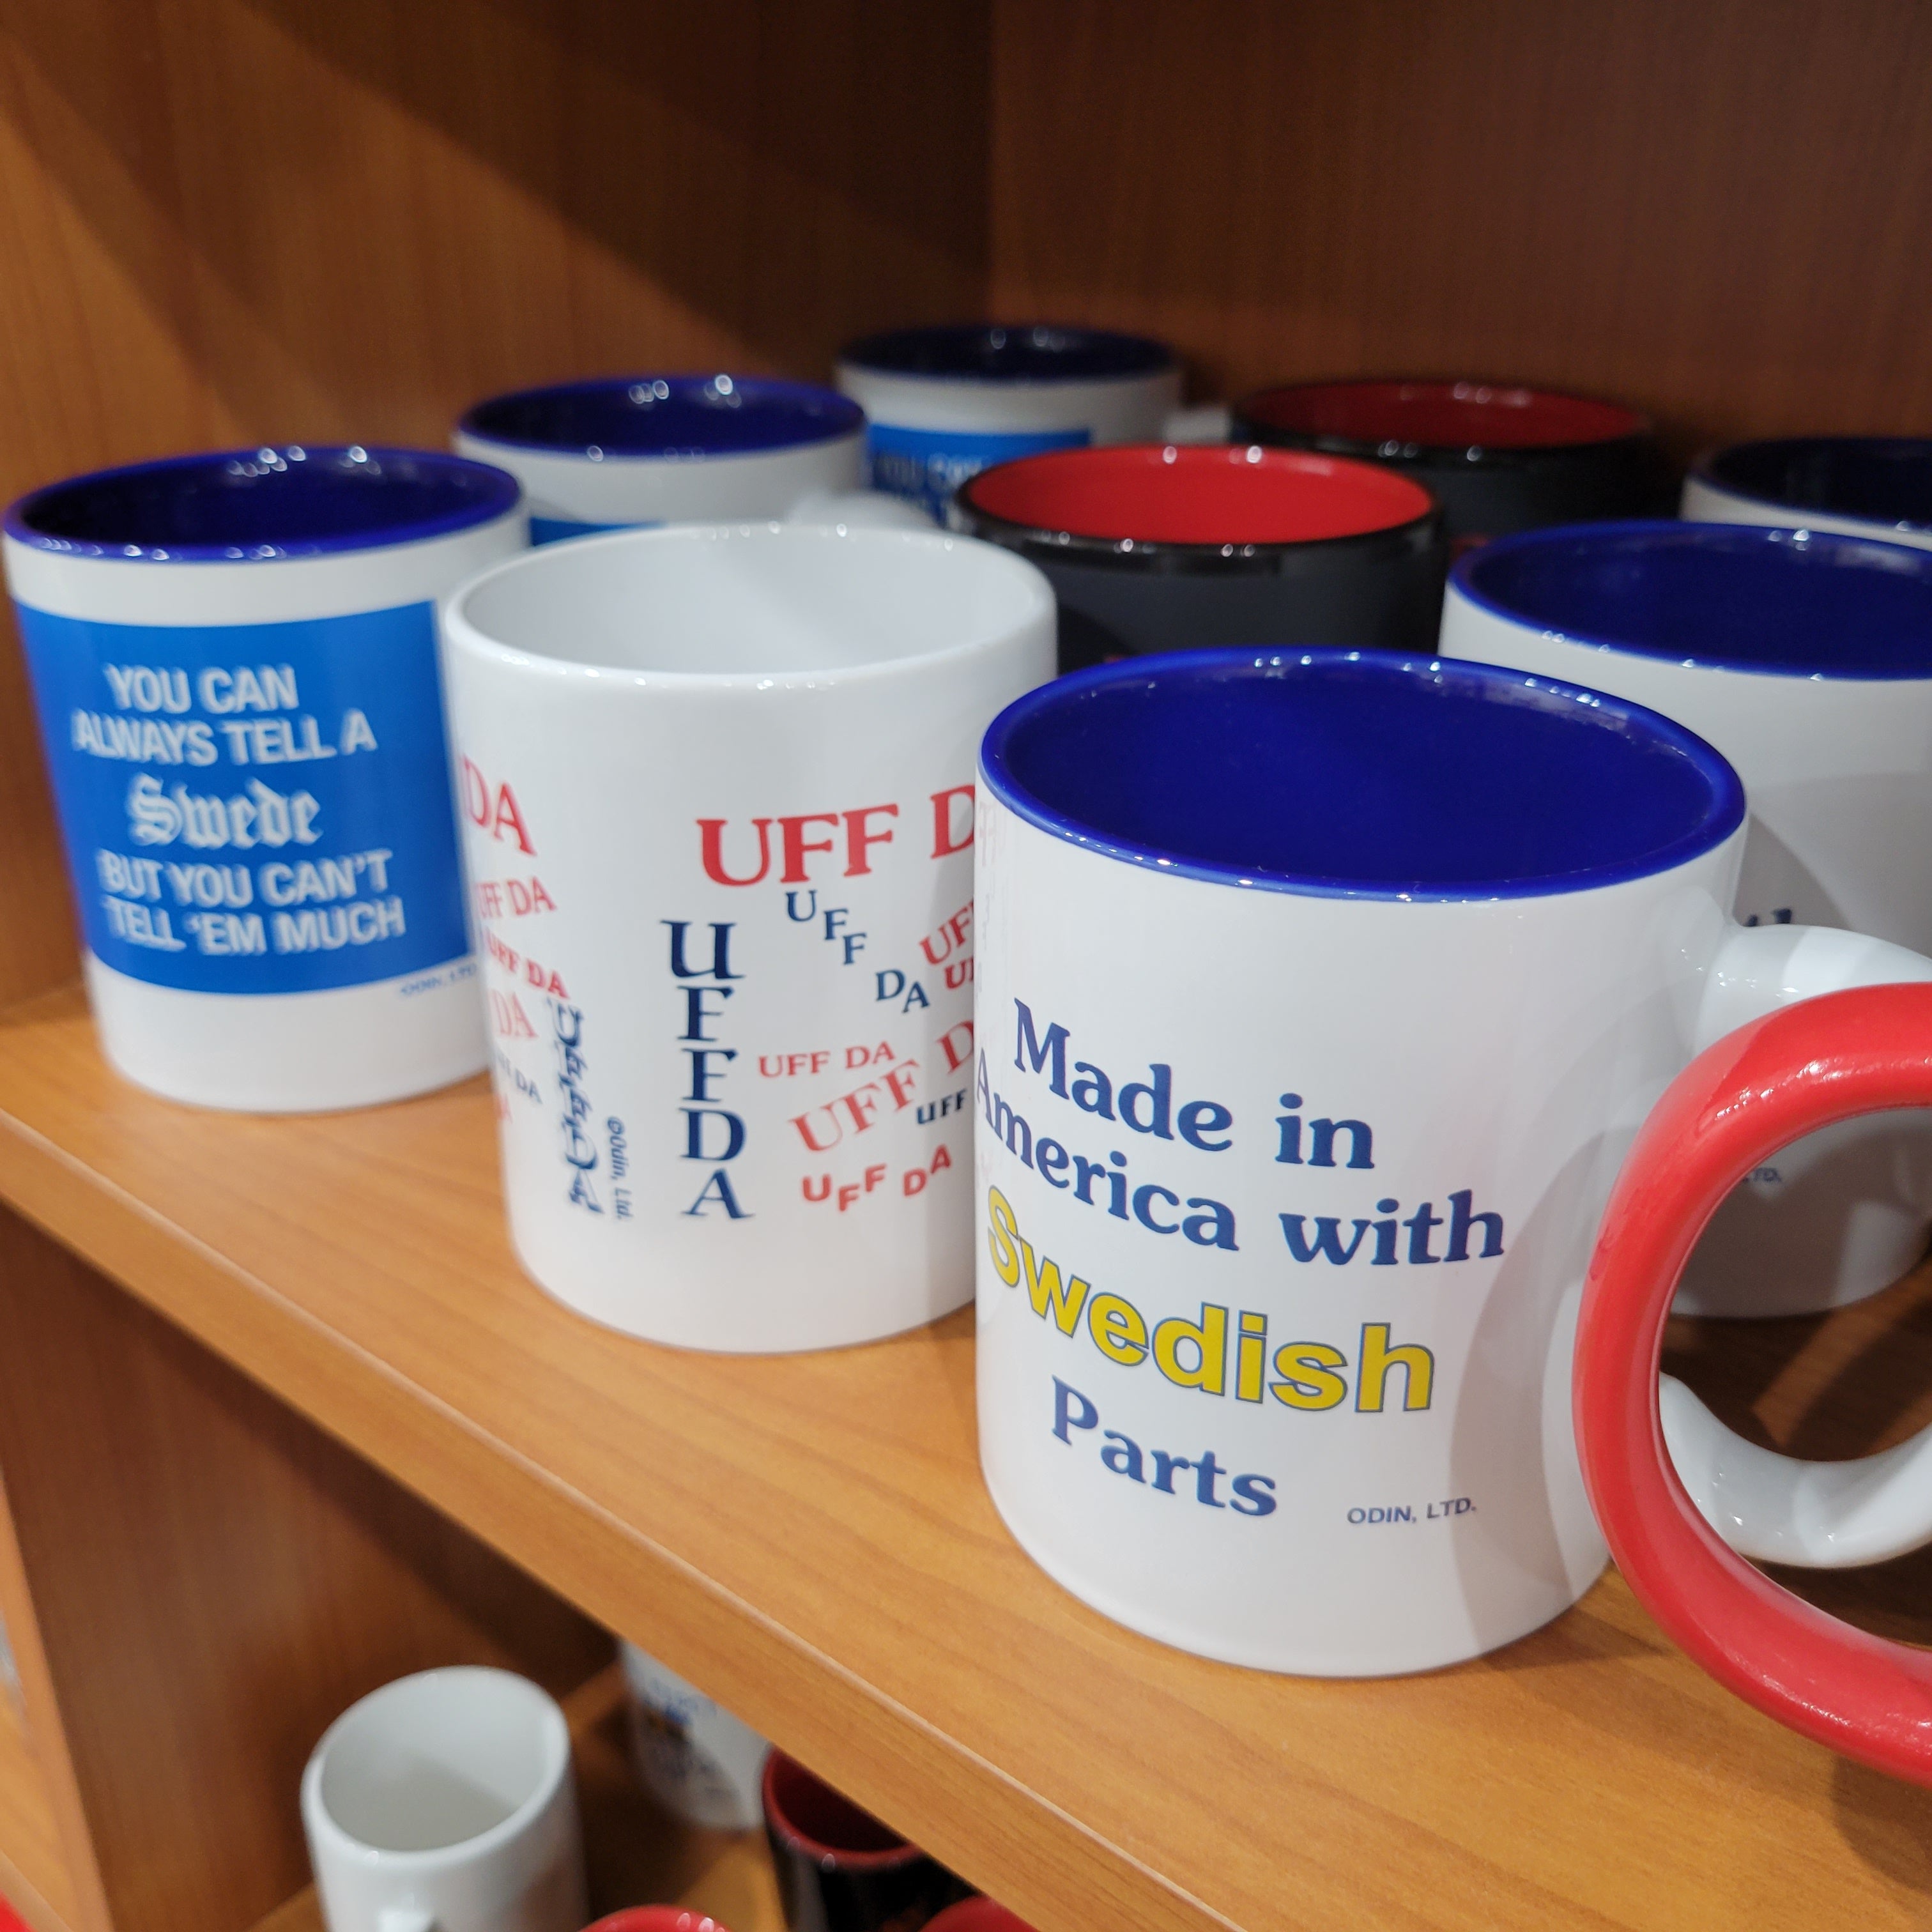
808, 1540
213, 1580
33, 1870
1717, 212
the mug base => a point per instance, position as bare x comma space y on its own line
1288, 1660
292, 1053
706, 1333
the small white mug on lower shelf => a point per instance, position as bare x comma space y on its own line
445, 1802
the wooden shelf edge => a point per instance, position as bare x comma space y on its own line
976, 1818
20, 1894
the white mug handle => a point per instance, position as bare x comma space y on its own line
405, 1918
1774, 1508
1759, 968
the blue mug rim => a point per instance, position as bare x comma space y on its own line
1725, 815
1689, 534
1704, 469
1107, 354
782, 421
497, 494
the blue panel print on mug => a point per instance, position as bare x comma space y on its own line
253, 808
561, 529
927, 465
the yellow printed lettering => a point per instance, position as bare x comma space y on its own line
1000, 1237
1208, 1338
1417, 1363
1308, 1377
1118, 1330
1043, 1284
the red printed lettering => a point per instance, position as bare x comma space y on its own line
944, 813
711, 849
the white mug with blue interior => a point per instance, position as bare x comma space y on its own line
234, 660
1806, 659
945, 403
1861, 486
625, 452
1320, 994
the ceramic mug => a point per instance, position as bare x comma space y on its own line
722, 864
234, 661
657, 1918
1320, 994
1674, 1489
698, 1761
1159, 547
1497, 456
623, 451
445, 1802
1807, 660
839, 1870
978, 1914
1868, 486
946, 402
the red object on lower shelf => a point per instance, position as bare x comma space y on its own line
10, 1920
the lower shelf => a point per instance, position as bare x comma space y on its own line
635, 1853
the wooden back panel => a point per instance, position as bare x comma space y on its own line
1720, 212
223, 222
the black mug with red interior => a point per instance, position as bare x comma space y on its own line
839, 1870
1160, 547
1499, 456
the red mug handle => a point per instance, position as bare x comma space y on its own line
1798, 1068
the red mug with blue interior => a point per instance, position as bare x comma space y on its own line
1683, 1502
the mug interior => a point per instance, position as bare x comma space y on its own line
1207, 494
740, 600
296, 501
824, 1823
1884, 479
1735, 596
1360, 774
1452, 417
667, 417
1010, 353
439, 1759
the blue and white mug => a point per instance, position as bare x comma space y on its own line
627, 452
1861, 486
234, 661
946, 402
1320, 993
1806, 659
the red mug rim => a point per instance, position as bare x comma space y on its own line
779, 1770
1451, 418
656, 1918
977, 1914
1205, 497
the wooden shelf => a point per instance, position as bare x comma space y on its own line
33, 1875
243, 220
807, 1539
